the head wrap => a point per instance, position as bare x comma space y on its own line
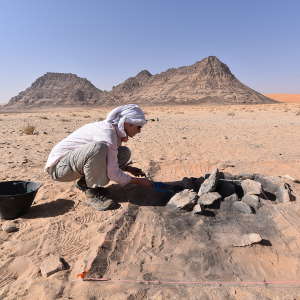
129, 113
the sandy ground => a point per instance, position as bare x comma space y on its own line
178, 141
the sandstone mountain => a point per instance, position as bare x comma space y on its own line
206, 81
59, 89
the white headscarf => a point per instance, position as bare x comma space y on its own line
129, 113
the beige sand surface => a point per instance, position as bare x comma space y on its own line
181, 141
288, 98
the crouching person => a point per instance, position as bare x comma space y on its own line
93, 155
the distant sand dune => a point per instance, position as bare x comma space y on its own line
285, 97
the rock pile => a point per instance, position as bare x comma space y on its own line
244, 193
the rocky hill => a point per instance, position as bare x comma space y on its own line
207, 81
59, 89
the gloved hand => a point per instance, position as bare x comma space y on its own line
135, 171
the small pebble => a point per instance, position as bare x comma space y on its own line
9, 227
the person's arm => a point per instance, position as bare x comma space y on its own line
134, 171
116, 174
141, 181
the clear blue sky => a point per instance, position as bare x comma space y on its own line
109, 41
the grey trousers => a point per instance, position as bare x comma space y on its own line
90, 161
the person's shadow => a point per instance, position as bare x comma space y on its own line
49, 209
158, 195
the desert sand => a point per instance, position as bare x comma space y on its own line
144, 251
286, 98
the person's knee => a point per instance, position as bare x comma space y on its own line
125, 151
124, 155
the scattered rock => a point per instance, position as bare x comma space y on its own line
197, 209
232, 198
285, 193
227, 202
185, 199
9, 227
243, 193
209, 198
149, 277
226, 165
241, 207
210, 184
51, 265
274, 189
239, 177
251, 187
247, 239
25, 161
252, 200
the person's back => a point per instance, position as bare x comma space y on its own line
93, 132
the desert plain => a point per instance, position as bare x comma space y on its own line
143, 251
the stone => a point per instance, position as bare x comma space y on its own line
232, 198
210, 184
251, 187
209, 198
247, 239
285, 193
274, 189
241, 207
9, 227
197, 209
185, 200
227, 202
226, 165
239, 177
252, 200
51, 265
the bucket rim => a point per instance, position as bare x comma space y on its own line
38, 186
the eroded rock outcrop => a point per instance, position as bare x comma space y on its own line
206, 81
60, 89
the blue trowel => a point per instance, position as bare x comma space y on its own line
166, 188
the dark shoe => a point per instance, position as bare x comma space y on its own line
97, 199
81, 184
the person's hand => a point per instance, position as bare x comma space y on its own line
142, 181
135, 171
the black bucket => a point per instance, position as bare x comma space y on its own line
16, 197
